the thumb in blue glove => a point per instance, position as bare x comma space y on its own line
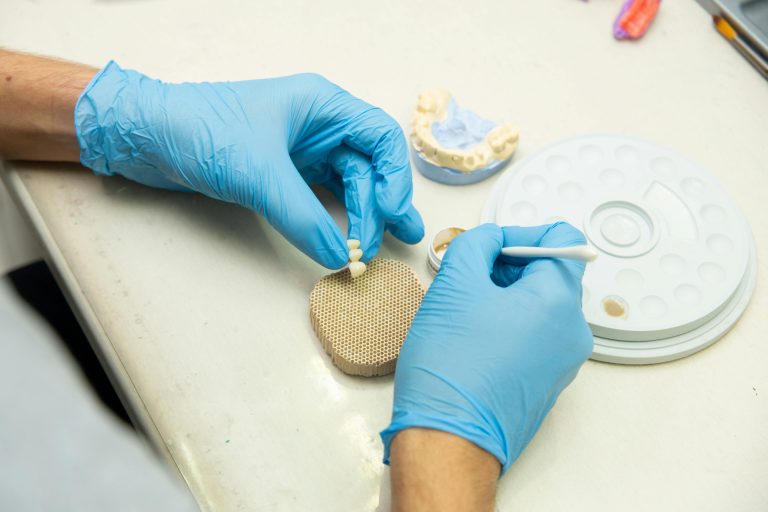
494, 342
260, 144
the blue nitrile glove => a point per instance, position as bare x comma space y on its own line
493, 343
260, 144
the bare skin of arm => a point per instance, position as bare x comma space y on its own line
437, 471
37, 105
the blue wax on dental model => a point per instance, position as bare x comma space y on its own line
461, 129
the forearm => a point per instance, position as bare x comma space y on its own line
437, 471
37, 104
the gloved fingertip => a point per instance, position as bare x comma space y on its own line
332, 259
562, 234
505, 274
406, 232
484, 233
558, 234
393, 195
542, 273
524, 236
409, 229
307, 225
366, 226
476, 250
371, 251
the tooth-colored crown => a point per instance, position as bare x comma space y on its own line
432, 107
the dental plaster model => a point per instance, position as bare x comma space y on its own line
356, 267
447, 136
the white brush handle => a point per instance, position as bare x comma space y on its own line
576, 252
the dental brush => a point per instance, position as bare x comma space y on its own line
577, 252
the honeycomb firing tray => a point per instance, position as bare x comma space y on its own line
363, 322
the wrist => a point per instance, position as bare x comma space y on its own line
449, 405
107, 114
435, 470
37, 99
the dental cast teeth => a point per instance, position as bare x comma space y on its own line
432, 107
356, 267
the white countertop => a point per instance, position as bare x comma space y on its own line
201, 309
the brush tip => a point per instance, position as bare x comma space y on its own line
725, 28
589, 254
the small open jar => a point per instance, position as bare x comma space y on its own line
438, 245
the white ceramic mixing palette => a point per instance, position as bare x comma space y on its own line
677, 260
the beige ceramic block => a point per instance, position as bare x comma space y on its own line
363, 322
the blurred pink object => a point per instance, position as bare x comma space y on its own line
634, 18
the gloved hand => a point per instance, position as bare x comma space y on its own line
260, 144
494, 342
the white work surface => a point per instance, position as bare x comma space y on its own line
201, 308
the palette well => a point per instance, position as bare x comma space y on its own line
677, 260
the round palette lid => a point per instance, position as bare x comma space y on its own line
674, 249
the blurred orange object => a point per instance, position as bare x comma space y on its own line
635, 18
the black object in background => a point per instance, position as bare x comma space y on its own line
37, 286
